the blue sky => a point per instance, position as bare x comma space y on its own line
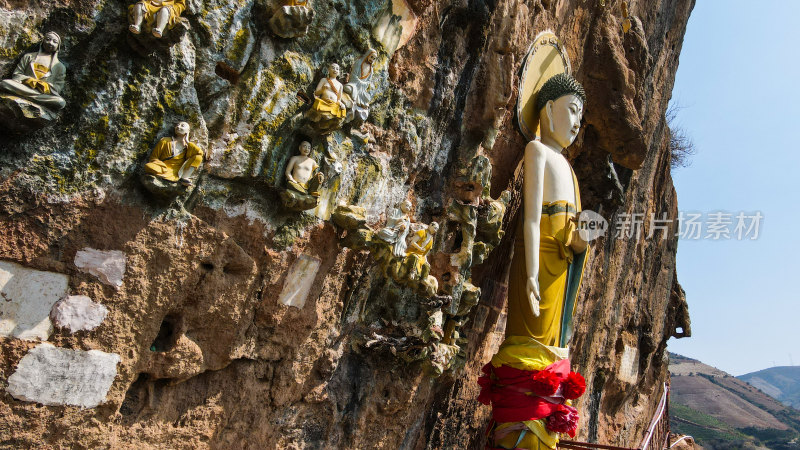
737, 86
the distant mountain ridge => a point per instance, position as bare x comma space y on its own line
782, 383
722, 411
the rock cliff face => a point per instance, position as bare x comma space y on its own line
232, 322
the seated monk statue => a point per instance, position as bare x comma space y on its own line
175, 158
156, 15
546, 269
39, 76
302, 172
419, 246
328, 104
358, 88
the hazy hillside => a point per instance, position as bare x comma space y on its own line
722, 411
782, 383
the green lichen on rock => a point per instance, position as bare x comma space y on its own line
294, 67
238, 47
92, 140
367, 172
292, 229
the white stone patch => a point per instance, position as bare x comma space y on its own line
629, 365
26, 298
60, 376
298, 281
78, 312
107, 265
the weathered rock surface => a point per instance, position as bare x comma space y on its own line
210, 356
27, 298
78, 312
60, 376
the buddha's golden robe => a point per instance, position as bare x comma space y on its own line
151, 7
163, 164
533, 342
555, 255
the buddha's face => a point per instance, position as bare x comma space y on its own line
50, 42
565, 115
405, 206
182, 129
333, 71
305, 148
433, 227
371, 57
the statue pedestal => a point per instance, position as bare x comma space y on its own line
145, 43
291, 21
161, 188
18, 115
296, 201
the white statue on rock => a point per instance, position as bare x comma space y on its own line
396, 229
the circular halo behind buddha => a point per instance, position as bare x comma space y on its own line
546, 58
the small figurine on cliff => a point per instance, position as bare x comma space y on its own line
358, 89
396, 229
328, 111
304, 180
292, 19
418, 268
32, 97
155, 15
175, 159
546, 270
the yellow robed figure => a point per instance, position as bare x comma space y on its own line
549, 253
175, 159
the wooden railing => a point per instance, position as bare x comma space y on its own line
656, 437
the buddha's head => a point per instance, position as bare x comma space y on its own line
305, 148
560, 104
433, 227
333, 70
405, 206
182, 129
51, 42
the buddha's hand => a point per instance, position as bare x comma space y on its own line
577, 242
533, 294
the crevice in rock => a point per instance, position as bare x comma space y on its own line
167, 335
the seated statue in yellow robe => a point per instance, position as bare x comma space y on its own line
175, 158
39, 76
328, 110
545, 271
157, 15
